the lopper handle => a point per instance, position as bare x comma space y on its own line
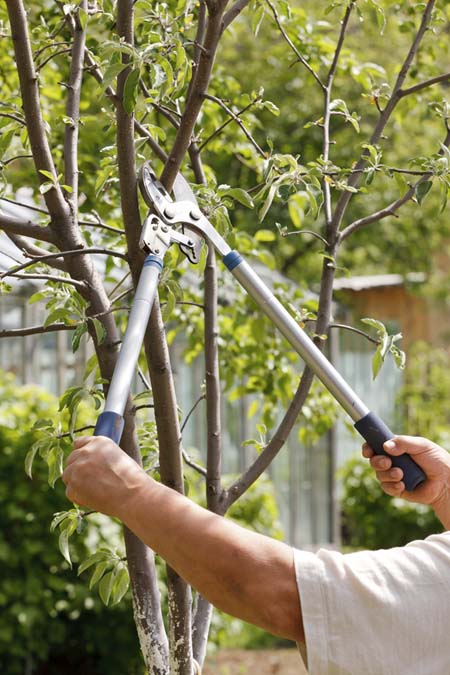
375, 432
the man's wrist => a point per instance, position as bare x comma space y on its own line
133, 495
441, 508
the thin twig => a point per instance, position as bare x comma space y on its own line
346, 196
5, 162
35, 330
394, 206
190, 462
52, 277
236, 118
186, 420
314, 234
300, 58
64, 254
422, 85
73, 107
355, 330
52, 56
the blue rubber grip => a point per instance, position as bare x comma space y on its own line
376, 433
232, 260
109, 424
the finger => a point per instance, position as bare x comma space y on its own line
393, 489
393, 475
66, 474
75, 455
380, 462
413, 445
367, 451
82, 441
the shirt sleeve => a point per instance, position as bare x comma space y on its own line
377, 612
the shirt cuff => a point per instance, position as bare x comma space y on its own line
309, 576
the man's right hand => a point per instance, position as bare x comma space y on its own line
99, 475
434, 460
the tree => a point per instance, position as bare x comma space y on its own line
94, 87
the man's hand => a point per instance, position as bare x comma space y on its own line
434, 460
100, 476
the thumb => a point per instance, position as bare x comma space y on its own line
413, 445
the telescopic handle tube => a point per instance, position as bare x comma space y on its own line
110, 421
373, 430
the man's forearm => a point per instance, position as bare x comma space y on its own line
227, 564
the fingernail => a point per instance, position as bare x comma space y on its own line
389, 445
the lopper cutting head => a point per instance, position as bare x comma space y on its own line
156, 197
184, 211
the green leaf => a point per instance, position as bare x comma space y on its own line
112, 72
45, 187
58, 518
48, 174
83, 18
253, 408
271, 107
62, 314
55, 464
63, 541
100, 331
121, 584
130, 90
77, 335
377, 362
106, 585
378, 325
98, 573
423, 189
265, 236
267, 202
399, 357
98, 556
29, 459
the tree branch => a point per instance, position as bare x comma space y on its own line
80, 285
234, 11
35, 330
94, 70
423, 85
197, 90
27, 228
271, 450
344, 199
73, 107
330, 231
391, 208
31, 250
29, 87
63, 254
352, 329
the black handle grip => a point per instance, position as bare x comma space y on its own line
375, 432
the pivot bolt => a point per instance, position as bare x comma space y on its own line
169, 212
195, 214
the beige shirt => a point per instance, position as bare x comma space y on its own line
381, 612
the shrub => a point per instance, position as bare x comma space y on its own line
50, 623
373, 520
